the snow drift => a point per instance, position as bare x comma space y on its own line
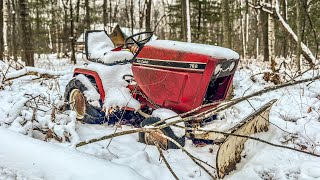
35, 158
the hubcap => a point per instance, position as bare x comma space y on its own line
78, 103
155, 136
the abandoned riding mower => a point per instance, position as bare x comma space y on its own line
147, 81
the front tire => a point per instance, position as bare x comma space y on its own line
147, 138
86, 112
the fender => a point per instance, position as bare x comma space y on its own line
96, 77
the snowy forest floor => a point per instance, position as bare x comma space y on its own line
295, 122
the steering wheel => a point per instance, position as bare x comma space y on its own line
139, 43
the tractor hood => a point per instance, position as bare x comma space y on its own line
182, 76
203, 49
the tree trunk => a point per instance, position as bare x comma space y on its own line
105, 15
148, 15
14, 29
199, 20
1, 30
132, 17
37, 28
226, 23
285, 17
5, 27
87, 7
299, 35
265, 30
65, 35
26, 32
53, 27
127, 17
184, 20
72, 39
271, 38
110, 17
188, 21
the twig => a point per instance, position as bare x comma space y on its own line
115, 135
187, 153
256, 139
165, 160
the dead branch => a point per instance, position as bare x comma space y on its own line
255, 139
42, 73
187, 153
48, 76
116, 134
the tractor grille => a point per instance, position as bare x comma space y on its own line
217, 89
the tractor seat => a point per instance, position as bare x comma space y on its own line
100, 48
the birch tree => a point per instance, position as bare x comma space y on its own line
271, 39
188, 21
5, 28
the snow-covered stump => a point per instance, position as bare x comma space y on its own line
37, 159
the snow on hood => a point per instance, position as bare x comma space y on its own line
209, 50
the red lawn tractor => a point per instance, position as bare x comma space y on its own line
174, 75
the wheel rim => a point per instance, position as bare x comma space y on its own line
156, 136
78, 103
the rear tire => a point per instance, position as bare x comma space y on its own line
86, 112
164, 143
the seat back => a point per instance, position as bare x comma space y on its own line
97, 43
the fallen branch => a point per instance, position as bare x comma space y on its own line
42, 73
188, 154
115, 135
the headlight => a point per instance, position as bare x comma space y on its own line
232, 65
217, 69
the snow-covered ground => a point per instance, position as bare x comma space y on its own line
295, 122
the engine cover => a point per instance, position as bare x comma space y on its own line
176, 75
